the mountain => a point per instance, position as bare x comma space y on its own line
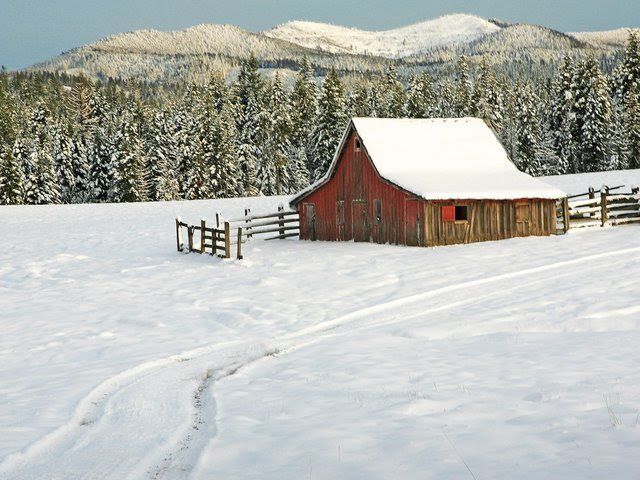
192, 54
609, 38
401, 42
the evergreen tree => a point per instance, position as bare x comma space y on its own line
527, 132
463, 89
128, 161
487, 100
562, 118
421, 102
63, 159
274, 167
593, 113
304, 102
251, 124
330, 124
162, 180
40, 185
12, 175
393, 97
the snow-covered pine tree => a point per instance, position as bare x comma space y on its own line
393, 97
11, 174
330, 124
128, 161
40, 186
357, 101
421, 101
274, 168
445, 93
63, 159
102, 132
487, 99
196, 157
251, 123
593, 112
162, 177
463, 89
527, 131
80, 166
626, 129
304, 102
562, 118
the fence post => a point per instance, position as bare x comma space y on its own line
592, 196
603, 206
217, 220
566, 216
203, 226
281, 223
178, 235
247, 212
227, 240
239, 246
190, 236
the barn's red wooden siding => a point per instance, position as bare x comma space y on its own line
356, 183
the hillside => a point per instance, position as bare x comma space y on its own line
314, 360
192, 54
610, 38
397, 43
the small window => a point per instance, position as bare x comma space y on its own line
340, 212
462, 213
358, 145
455, 213
378, 207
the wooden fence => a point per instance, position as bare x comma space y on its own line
609, 206
225, 235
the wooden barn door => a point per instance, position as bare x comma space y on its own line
413, 223
310, 221
523, 219
360, 225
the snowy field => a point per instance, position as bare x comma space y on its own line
121, 358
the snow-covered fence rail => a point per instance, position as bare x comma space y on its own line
221, 239
283, 224
600, 208
202, 239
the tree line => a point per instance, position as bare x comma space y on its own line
71, 140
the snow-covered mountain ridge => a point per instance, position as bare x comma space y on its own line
193, 53
396, 43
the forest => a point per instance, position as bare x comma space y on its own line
67, 139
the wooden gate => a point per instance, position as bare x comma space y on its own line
359, 221
413, 222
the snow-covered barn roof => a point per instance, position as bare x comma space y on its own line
441, 159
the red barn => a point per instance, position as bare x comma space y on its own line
424, 182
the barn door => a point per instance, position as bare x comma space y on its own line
523, 219
413, 223
310, 221
360, 224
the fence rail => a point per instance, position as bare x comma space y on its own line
219, 239
599, 209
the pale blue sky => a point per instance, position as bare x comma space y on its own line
34, 30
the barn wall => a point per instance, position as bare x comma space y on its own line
356, 183
490, 220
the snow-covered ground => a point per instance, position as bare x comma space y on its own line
121, 358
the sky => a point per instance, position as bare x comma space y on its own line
35, 30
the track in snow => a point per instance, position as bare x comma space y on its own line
112, 416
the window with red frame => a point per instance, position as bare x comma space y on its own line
454, 213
